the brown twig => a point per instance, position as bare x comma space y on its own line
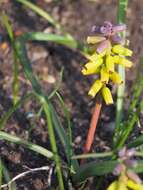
92, 129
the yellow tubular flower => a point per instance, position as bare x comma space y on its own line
95, 39
122, 50
116, 78
109, 63
97, 85
104, 75
91, 67
123, 61
117, 185
134, 186
107, 95
94, 57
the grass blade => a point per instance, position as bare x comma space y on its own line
139, 168
63, 138
130, 125
93, 155
94, 169
67, 115
137, 89
15, 82
137, 142
29, 145
41, 36
7, 177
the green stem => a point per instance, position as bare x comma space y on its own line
121, 88
139, 154
53, 144
93, 155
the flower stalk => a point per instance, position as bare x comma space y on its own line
92, 128
108, 54
121, 69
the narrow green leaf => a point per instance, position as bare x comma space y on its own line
129, 128
7, 177
8, 26
67, 116
94, 169
41, 36
29, 145
93, 155
15, 81
139, 168
136, 142
137, 89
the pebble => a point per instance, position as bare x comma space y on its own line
78, 140
38, 55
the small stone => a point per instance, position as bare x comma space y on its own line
78, 140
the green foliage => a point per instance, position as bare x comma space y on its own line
31, 146
93, 169
7, 177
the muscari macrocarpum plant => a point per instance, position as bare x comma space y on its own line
109, 53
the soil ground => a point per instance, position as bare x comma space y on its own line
77, 17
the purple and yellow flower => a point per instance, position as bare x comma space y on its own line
128, 179
109, 53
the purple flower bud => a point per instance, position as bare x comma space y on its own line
118, 169
108, 24
102, 46
122, 152
131, 152
119, 28
117, 39
131, 163
95, 29
105, 30
133, 176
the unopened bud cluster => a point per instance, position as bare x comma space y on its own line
128, 179
109, 52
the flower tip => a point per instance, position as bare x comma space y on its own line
97, 85
91, 93
95, 39
107, 96
83, 71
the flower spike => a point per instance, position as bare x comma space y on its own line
108, 53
